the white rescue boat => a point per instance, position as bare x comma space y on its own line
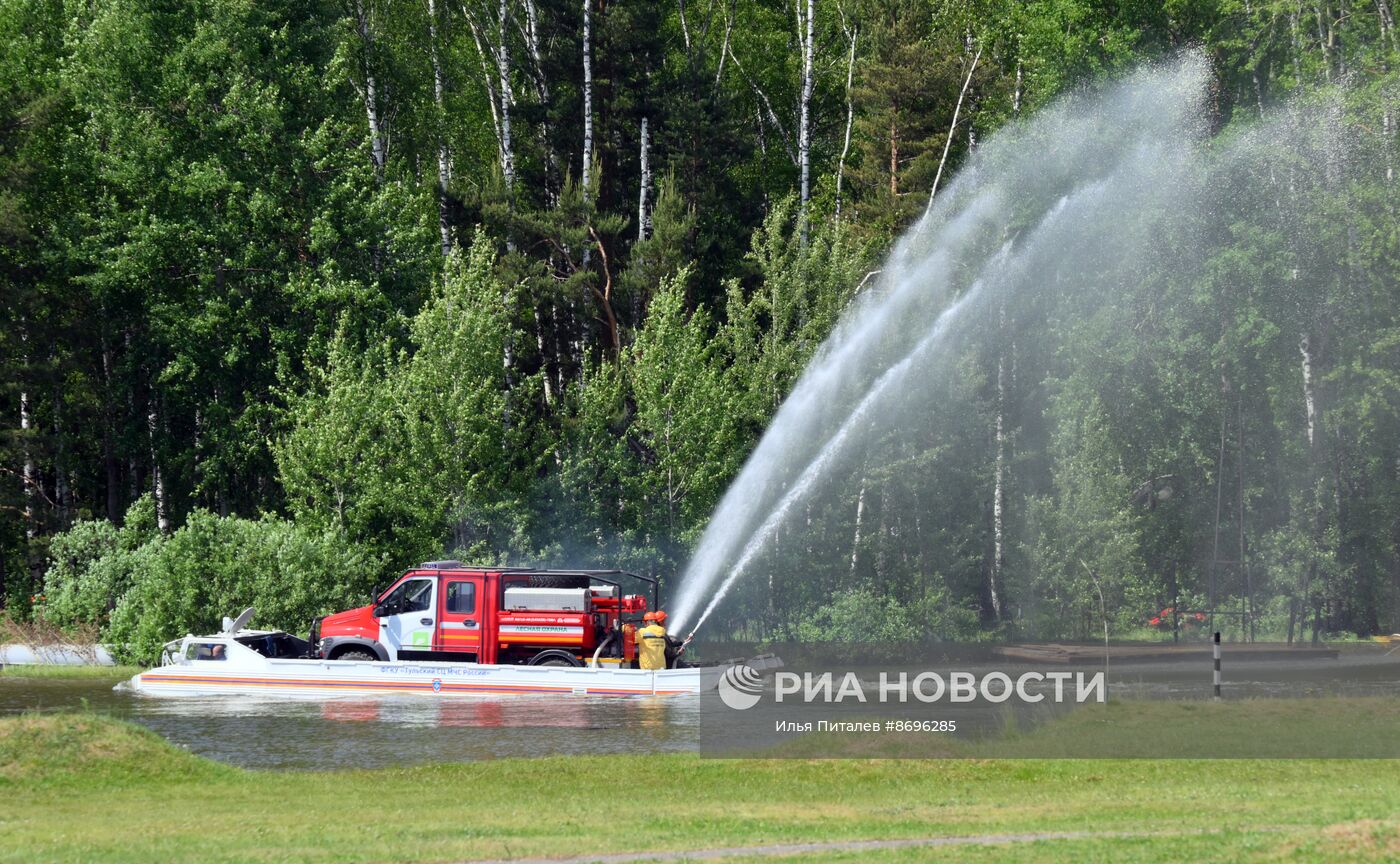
262, 662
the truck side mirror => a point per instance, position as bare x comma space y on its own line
382, 611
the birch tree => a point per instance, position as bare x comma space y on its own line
806, 28
493, 52
644, 185
368, 84
852, 32
587, 173
444, 165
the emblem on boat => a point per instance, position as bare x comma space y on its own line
437, 685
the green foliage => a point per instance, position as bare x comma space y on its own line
1087, 569
212, 567
226, 291
655, 437
804, 285
864, 615
387, 445
685, 413
93, 564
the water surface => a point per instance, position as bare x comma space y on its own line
371, 732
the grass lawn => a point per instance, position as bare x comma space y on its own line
116, 673
82, 787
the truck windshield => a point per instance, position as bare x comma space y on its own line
415, 595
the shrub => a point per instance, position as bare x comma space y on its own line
213, 566
861, 615
92, 565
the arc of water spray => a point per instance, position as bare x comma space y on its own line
842, 350
817, 466
891, 376
1145, 108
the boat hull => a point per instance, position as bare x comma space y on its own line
323, 678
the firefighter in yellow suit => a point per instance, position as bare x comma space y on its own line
651, 642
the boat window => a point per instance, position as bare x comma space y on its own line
461, 597
206, 651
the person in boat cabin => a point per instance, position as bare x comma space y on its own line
210, 652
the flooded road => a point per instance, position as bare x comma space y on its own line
366, 732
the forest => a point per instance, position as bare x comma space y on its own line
299, 294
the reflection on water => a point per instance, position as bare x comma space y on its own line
368, 732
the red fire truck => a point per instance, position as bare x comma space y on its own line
446, 610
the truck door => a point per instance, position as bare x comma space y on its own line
409, 631
461, 619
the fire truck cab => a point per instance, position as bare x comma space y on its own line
446, 610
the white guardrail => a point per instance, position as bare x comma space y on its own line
55, 655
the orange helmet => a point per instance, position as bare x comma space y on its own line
650, 616
659, 616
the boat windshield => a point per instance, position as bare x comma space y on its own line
206, 651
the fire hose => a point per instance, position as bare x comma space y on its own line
601, 645
681, 650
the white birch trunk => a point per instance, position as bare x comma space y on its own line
952, 128
444, 162
547, 378
766, 110
883, 533
1295, 44
1309, 393
532, 42
379, 148
587, 175
804, 130
153, 429
860, 524
994, 588
852, 33
109, 456
724, 44
1016, 94
507, 99
488, 78
507, 95
30, 475
643, 213
551, 159
1324, 38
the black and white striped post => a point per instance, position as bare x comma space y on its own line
1217, 664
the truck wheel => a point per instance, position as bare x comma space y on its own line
356, 655
558, 580
554, 657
